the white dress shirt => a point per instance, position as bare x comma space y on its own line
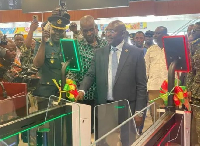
156, 68
110, 88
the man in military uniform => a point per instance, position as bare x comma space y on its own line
48, 56
193, 82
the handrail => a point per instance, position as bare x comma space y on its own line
184, 26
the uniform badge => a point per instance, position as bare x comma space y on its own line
59, 21
52, 60
126, 50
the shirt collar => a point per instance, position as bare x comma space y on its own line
119, 47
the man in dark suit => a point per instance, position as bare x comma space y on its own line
119, 72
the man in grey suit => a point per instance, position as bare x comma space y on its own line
119, 72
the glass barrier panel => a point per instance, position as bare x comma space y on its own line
123, 135
12, 108
109, 116
73, 119
125, 132
35, 103
50, 126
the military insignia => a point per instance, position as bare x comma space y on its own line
52, 61
59, 21
126, 50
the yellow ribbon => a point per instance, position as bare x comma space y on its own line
55, 82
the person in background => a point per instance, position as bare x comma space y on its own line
96, 30
193, 84
76, 33
148, 39
183, 75
139, 41
27, 50
127, 37
29, 40
132, 38
103, 35
5, 53
19, 41
8, 59
117, 69
87, 45
156, 68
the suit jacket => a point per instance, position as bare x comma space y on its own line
130, 81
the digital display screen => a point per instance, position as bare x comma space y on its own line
29, 6
92, 4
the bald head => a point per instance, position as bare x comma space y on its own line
87, 20
115, 32
88, 28
10, 45
117, 25
159, 33
12, 49
163, 29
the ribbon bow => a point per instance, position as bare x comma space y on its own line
180, 94
70, 88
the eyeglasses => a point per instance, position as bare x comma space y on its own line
111, 31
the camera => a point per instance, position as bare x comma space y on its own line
3, 40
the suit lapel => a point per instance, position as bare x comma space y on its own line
106, 61
122, 60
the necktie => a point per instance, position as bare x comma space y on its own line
114, 64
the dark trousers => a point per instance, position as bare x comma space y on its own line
128, 131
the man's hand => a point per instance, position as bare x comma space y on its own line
34, 26
80, 96
138, 121
56, 11
45, 36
